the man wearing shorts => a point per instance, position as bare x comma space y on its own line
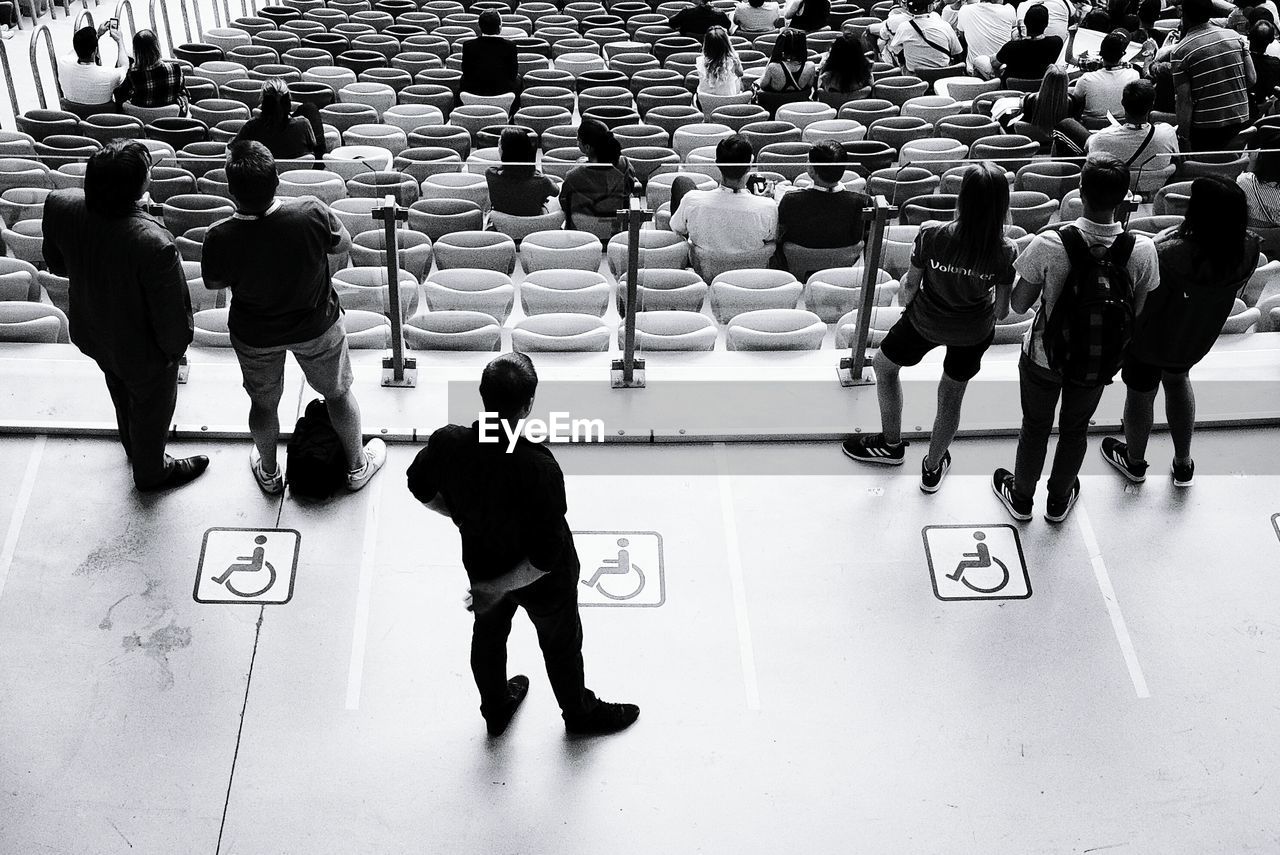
273, 256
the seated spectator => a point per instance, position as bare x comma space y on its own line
286, 134
1037, 114
153, 82
727, 221
845, 73
593, 193
884, 34
826, 215
1146, 147
983, 28
1261, 184
81, 75
719, 68
1265, 51
490, 63
1204, 263
1097, 93
808, 16
517, 187
696, 19
925, 40
789, 69
756, 17
1246, 13
1059, 15
1029, 57
1098, 21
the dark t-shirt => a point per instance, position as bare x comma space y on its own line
1029, 58
277, 268
520, 195
821, 219
955, 305
294, 139
508, 507
696, 20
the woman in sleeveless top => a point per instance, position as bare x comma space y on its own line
789, 69
593, 193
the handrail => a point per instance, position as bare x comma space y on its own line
126, 6
80, 20
398, 370
855, 363
8, 79
195, 5
164, 18
53, 65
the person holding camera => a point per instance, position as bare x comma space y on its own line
84, 80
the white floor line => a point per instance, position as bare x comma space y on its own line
1113, 606
19, 514
736, 583
360, 631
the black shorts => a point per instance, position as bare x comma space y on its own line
904, 345
1144, 377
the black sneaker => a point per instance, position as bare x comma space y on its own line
517, 688
604, 719
1002, 486
1117, 454
1184, 474
872, 448
180, 472
1056, 510
931, 479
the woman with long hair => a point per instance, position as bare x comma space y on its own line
517, 187
789, 68
1204, 263
959, 283
808, 15
846, 72
152, 82
1043, 111
719, 68
593, 193
284, 133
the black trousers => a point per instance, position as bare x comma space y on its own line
552, 605
144, 413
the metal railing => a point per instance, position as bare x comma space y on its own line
124, 9
44, 32
8, 80
168, 27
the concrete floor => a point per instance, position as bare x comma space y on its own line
801, 685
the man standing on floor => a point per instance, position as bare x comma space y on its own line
130, 310
509, 506
273, 255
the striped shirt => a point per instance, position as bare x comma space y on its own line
1211, 60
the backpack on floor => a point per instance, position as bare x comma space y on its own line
1086, 334
316, 466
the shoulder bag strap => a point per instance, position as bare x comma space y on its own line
926, 39
1140, 149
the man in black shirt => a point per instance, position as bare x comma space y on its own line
1029, 58
490, 63
508, 503
695, 20
826, 215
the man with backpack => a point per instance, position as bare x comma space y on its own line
1091, 278
272, 254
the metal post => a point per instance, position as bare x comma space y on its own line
53, 65
85, 15
628, 372
195, 6
126, 7
852, 369
164, 17
396, 371
8, 79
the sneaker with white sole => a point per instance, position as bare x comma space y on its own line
375, 454
1002, 486
872, 448
1056, 510
273, 484
1184, 474
1116, 453
931, 479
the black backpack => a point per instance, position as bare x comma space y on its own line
1092, 321
317, 465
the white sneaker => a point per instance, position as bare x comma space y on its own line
273, 484
375, 454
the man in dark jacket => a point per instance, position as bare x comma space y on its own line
509, 505
490, 65
130, 309
695, 20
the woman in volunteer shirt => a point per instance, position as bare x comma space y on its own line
960, 278
1203, 265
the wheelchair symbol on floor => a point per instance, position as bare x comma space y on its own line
620, 566
980, 560
255, 566
976, 562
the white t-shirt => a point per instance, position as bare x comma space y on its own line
1060, 12
756, 20
987, 27
1150, 168
917, 52
728, 82
88, 83
1101, 90
724, 222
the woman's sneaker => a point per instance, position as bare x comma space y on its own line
1002, 486
1056, 510
872, 448
273, 484
1117, 454
1184, 474
931, 479
375, 454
